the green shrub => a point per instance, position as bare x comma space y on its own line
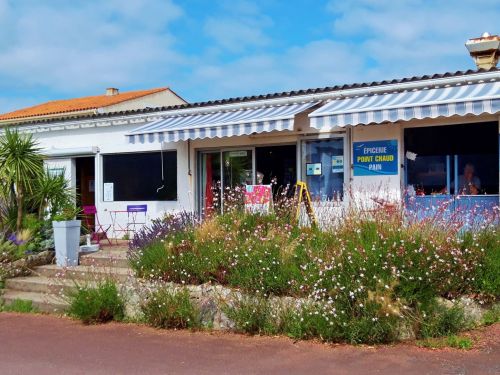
311, 321
98, 304
492, 315
165, 308
439, 320
487, 271
20, 306
253, 315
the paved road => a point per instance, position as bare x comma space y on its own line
40, 344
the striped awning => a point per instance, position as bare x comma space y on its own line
219, 124
474, 99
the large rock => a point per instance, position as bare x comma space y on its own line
23, 267
473, 311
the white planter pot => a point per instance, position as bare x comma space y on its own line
67, 242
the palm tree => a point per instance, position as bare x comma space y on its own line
21, 165
52, 191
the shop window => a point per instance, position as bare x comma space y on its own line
324, 168
139, 176
454, 159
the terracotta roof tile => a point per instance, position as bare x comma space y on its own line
77, 104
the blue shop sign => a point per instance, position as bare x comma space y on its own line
375, 158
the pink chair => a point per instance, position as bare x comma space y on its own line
98, 231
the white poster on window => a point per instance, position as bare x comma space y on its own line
337, 164
108, 193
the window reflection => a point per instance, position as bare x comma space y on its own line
324, 168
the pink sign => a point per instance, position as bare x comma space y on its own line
258, 197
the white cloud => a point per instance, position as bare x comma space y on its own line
99, 43
238, 26
370, 40
316, 64
415, 36
61, 48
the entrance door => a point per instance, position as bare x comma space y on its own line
222, 171
323, 168
276, 165
210, 173
85, 180
85, 183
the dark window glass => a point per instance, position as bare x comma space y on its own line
455, 159
138, 176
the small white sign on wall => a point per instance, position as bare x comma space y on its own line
108, 193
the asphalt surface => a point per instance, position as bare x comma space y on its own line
42, 344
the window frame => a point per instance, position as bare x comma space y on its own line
452, 159
326, 137
174, 151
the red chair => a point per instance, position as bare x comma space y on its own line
98, 231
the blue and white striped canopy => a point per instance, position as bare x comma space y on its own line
219, 124
450, 101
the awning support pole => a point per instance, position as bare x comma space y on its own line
189, 157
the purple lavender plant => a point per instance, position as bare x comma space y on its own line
160, 228
15, 240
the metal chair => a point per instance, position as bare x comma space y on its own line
132, 216
98, 231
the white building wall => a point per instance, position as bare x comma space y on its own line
110, 140
67, 164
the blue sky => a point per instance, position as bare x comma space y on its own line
203, 50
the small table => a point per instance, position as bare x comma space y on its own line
115, 225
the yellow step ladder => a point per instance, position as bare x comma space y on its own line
302, 195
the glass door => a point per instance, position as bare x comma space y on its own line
323, 168
210, 182
220, 172
238, 168
237, 172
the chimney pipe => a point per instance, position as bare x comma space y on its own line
111, 91
484, 50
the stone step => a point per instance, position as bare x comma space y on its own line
105, 258
84, 272
40, 284
44, 302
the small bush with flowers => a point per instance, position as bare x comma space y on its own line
165, 308
96, 303
364, 277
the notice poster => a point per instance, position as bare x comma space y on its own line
54, 172
337, 164
258, 198
108, 192
313, 169
238, 154
375, 158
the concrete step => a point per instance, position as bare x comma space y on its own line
84, 272
44, 302
105, 258
40, 284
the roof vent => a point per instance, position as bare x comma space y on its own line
484, 50
111, 91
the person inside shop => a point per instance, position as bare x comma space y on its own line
468, 182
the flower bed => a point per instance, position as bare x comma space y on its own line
364, 277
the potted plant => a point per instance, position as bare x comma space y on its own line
67, 236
